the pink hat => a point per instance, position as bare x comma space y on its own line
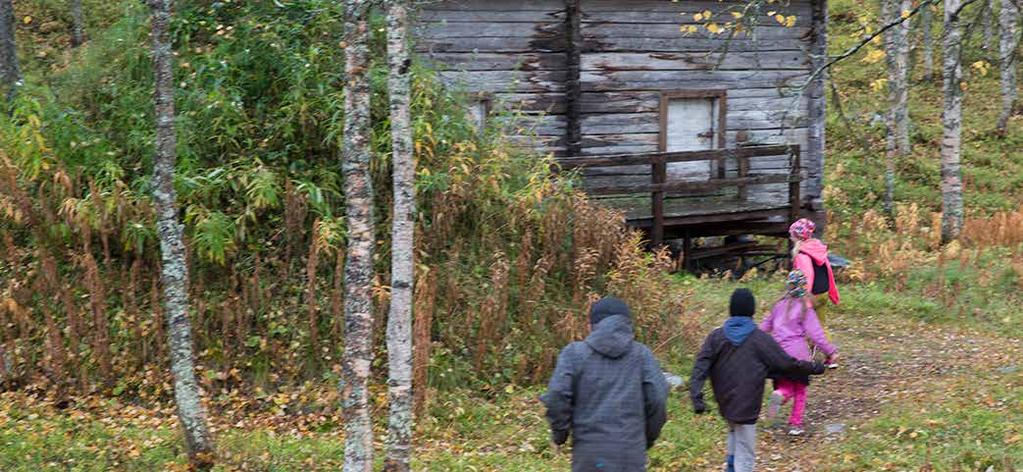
802, 229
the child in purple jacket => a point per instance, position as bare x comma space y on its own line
791, 323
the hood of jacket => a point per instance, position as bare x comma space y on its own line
612, 337
814, 248
738, 328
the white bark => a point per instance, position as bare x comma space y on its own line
989, 23
927, 25
78, 24
399, 322
1008, 20
358, 355
897, 55
951, 120
174, 270
10, 72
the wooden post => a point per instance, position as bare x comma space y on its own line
573, 107
659, 173
794, 183
817, 110
743, 162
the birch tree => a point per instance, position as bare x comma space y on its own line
358, 277
989, 23
10, 72
77, 24
952, 121
399, 321
1008, 20
927, 26
174, 271
897, 55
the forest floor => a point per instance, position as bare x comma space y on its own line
909, 395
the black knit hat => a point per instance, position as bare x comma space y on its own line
742, 303
608, 306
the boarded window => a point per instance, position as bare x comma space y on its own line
692, 121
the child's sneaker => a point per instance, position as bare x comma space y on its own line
796, 431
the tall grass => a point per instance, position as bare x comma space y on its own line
509, 254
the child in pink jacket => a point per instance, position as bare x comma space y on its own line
810, 256
791, 323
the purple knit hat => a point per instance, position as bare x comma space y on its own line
802, 229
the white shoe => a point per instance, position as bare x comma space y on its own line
796, 431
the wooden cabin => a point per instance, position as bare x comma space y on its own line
690, 133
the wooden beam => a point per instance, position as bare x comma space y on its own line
794, 185
658, 185
612, 160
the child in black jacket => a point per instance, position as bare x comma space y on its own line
738, 357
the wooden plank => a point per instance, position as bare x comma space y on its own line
550, 103
573, 130
690, 186
683, 44
630, 123
465, 15
649, 101
612, 81
671, 32
682, 13
476, 61
661, 6
505, 81
514, 44
743, 162
759, 60
495, 6
678, 156
444, 30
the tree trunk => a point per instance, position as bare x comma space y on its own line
927, 25
1008, 20
399, 322
897, 55
989, 24
10, 72
358, 192
951, 120
174, 270
78, 24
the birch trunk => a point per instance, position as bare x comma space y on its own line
10, 72
77, 24
174, 270
1008, 20
399, 323
897, 55
927, 25
951, 120
358, 192
989, 24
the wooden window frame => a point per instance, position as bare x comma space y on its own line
721, 95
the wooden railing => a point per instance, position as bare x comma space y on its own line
659, 184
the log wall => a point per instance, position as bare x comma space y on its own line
523, 53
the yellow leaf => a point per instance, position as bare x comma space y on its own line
873, 56
779, 18
27, 20
878, 85
736, 14
905, 14
713, 28
698, 17
771, 13
707, 14
790, 21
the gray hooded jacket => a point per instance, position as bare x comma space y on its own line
609, 392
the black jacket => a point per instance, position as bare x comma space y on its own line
609, 392
737, 373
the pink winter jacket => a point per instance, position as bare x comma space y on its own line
791, 329
814, 251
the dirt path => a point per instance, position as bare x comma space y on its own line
882, 366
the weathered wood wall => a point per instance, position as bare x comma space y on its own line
629, 51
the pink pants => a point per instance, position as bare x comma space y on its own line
796, 392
